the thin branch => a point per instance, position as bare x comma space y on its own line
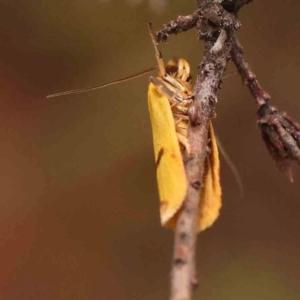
246, 73
280, 133
209, 11
202, 110
218, 16
182, 23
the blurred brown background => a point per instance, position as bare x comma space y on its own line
79, 204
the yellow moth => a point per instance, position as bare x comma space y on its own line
168, 102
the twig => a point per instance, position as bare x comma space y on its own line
209, 18
182, 23
280, 133
210, 75
247, 75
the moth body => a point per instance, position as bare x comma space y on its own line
169, 98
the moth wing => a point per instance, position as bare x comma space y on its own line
211, 192
170, 172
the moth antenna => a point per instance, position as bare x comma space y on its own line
231, 166
89, 89
161, 65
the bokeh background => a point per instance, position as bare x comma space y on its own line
79, 205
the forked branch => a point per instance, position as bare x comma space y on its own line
216, 21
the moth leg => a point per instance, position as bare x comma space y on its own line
164, 88
180, 88
178, 108
178, 121
183, 141
189, 97
187, 100
169, 87
173, 103
181, 109
183, 117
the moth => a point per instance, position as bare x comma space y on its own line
169, 97
168, 102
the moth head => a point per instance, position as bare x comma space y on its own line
180, 69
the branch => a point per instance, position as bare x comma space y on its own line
280, 133
210, 18
216, 21
210, 13
182, 23
201, 111
247, 75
